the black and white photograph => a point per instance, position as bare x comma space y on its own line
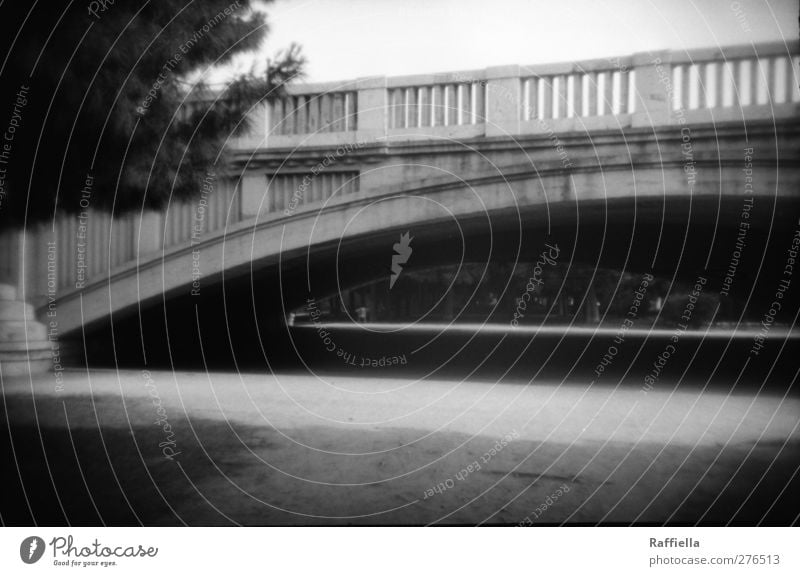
396, 264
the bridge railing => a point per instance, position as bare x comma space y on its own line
587, 89
736, 77
311, 113
76, 249
651, 88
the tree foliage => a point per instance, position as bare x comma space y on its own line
107, 95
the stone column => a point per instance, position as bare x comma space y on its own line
24, 348
653, 88
372, 109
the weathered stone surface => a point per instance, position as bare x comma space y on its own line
16, 310
24, 348
7, 292
21, 331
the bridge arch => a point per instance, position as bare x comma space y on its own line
513, 211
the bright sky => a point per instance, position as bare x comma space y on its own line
345, 39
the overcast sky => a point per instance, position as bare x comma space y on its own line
345, 39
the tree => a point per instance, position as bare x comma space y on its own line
99, 98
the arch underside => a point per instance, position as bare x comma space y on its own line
249, 284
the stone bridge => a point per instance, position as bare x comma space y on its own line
640, 163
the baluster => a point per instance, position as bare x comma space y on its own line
187, 219
294, 191
424, 106
60, 241
177, 214
528, 99
591, 93
464, 104
351, 100
272, 202
185, 222
452, 104
631, 91
437, 101
291, 184
608, 93
73, 250
686, 87
567, 108
700, 84
479, 102
735, 77
285, 183
276, 114
127, 234
91, 248
337, 120
411, 108
291, 116
274, 185
577, 95
105, 242
546, 97
792, 81
743, 83
302, 115
560, 103
764, 81
237, 199
338, 183
397, 108
718, 84
623, 93
321, 194
117, 232
313, 113
756, 83
325, 108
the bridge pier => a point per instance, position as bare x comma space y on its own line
24, 347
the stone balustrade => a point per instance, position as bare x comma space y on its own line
658, 88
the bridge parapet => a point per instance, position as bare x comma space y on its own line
645, 89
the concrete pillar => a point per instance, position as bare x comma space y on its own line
653, 88
504, 100
373, 109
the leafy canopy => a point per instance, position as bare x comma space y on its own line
105, 95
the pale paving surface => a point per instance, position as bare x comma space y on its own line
306, 441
